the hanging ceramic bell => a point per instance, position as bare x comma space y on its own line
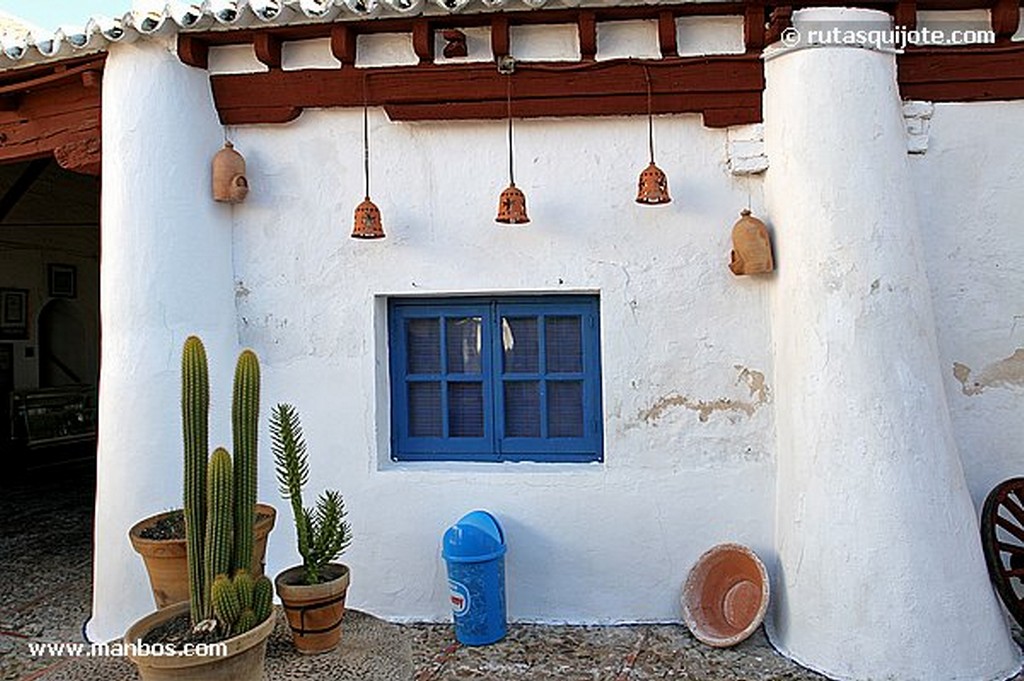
751, 246
229, 182
512, 206
367, 222
653, 186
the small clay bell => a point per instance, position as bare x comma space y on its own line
512, 206
653, 186
751, 246
229, 182
367, 221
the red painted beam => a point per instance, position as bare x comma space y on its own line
466, 91
53, 112
963, 74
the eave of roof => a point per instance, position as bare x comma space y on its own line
211, 15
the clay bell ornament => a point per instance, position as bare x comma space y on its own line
653, 186
751, 246
229, 182
367, 221
512, 206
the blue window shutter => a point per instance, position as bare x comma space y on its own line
491, 379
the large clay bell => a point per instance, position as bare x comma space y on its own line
653, 186
751, 246
512, 206
229, 182
367, 221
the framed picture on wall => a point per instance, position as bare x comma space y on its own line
13, 313
63, 281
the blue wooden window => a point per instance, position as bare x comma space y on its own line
495, 379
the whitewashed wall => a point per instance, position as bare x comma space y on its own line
688, 426
970, 203
686, 347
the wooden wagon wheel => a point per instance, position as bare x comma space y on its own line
1002, 535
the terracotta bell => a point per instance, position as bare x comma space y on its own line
512, 206
229, 182
751, 246
653, 189
367, 222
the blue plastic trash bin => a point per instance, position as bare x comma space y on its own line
474, 550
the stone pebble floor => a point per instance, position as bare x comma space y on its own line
45, 580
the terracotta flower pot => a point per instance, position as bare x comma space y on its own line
725, 596
242, 662
314, 612
167, 563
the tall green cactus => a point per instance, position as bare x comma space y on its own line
220, 498
220, 517
244, 425
195, 415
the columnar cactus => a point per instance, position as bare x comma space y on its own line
220, 518
224, 599
244, 422
244, 585
241, 603
262, 598
220, 499
195, 415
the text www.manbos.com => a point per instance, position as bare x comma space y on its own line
119, 649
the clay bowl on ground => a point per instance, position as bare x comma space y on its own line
725, 595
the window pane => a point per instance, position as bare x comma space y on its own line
563, 345
519, 338
425, 409
565, 408
463, 339
522, 408
465, 409
424, 345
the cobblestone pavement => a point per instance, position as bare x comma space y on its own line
45, 579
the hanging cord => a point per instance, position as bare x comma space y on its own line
508, 105
366, 149
650, 115
366, 141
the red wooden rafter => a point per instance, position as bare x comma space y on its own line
53, 110
725, 89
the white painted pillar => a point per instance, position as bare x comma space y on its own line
880, 572
165, 272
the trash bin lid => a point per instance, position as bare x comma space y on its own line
476, 537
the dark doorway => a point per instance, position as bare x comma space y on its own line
49, 265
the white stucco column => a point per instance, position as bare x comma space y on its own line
880, 572
165, 272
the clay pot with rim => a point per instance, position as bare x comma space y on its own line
167, 563
725, 595
243, 660
314, 611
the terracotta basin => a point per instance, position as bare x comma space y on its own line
242, 661
725, 596
167, 563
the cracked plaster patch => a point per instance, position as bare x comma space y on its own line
1005, 373
759, 395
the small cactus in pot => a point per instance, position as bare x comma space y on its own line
313, 594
